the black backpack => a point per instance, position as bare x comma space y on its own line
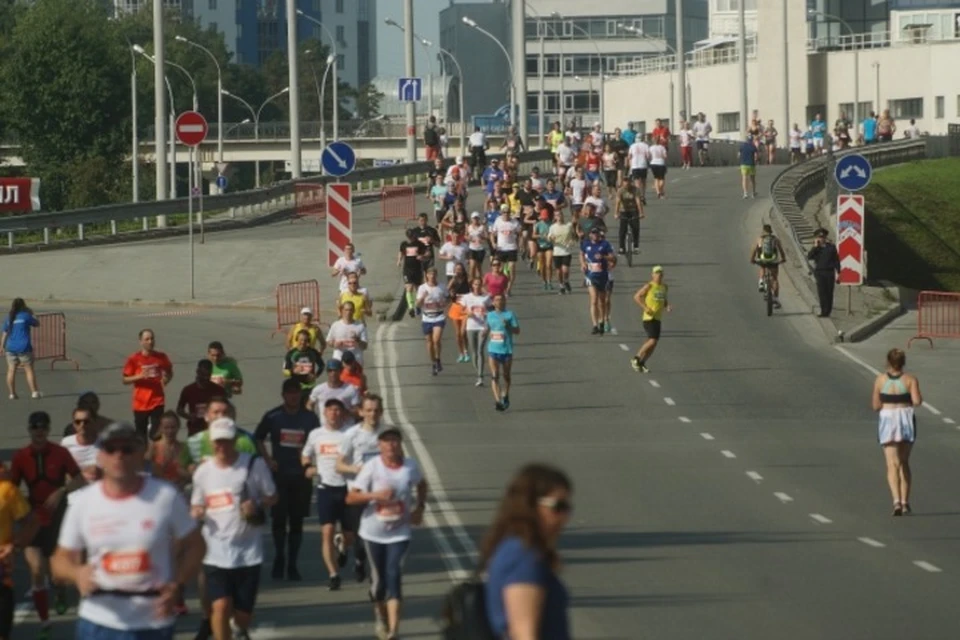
430, 136
464, 615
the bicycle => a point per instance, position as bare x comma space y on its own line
628, 245
767, 285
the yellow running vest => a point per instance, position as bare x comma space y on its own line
655, 301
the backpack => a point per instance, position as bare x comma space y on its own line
768, 246
430, 137
464, 615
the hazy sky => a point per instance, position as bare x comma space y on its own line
390, 39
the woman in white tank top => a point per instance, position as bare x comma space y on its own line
658, 166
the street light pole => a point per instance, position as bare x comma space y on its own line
681, 67
293, 66
219, 94
513, 90
336, 80
519, 71
463, 121
410, 70
742, 54
331, 60
134, 134
159, 107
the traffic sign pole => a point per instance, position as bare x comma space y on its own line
190, 219
200, 195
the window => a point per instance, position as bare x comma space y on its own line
213, 26
939, 107
340, 62
532, 67
847, 109
341, 34
339, 6
728, 122
568, 31
906, 108
212, 5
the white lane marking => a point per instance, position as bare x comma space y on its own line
782, 497
456, 569
655, 385
753, 475
870, 542
684, 419
948, 420
821, 519
929, 407
926, 566
728, 454
268, 631
669, 401
624, 347
706, 436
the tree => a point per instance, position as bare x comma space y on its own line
368, 101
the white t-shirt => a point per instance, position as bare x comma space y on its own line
639, 155
346, 393
566, 154
599, 203
434, 299
686, 137
658, 155
702, 130
478, 139
347, 336
323, 450
476, 307
346, 267
561, 235
232, 542
596, 140
387, 522
795, 137
508, 232
359, 446
476, 236
85, 455
573, 140
130, 543
577, 188
453, 253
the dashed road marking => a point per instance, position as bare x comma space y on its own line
782, 497
821, 519
753, 475
870, 542
926, 566
669, 401
728, 454
948, 421
706, 436
655, 385
624, 347
932, 409
684, 419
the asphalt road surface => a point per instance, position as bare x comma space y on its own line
736, 491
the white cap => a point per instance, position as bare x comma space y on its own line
222, 429
459, 159
306, 311
475, 214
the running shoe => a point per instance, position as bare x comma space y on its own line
411, 313
567, 285
479, 382
549, 286
506, 402
596, 330
606, 327
439, 366
334, 583
636, 364
204, 632
433, 368
499, 406
897, 509
600, 329
466, 357
906, 509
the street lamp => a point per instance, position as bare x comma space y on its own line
856, 60
673, 68
426, 46
219, 93
173, 150
513, 90
463, 122
256, 120
134, 135
333, 45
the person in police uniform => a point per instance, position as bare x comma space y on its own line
826, 269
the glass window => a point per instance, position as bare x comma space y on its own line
532, 67
212, 5
728, 122
341, 32
939, 107
339, 6
906, 108
847, 109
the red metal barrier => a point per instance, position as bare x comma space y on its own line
397, 202
311, 202
938, 316
291, 298
50, 339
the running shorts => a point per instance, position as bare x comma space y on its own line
659, 171
652, 327
638, 174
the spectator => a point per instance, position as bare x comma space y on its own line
886, 127
913, 131
826, 270
868, 129
17, 344
431, 139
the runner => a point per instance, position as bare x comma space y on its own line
610, 164
541, 234
347, 264
130, 566
652, 298
303, 363
319, 459
478, 145
192, 404
454, 251
686, 144
288, 427
82, 444
749, 156
348, 334
501, 326
477, 242
458, 287
702, 130
314, 333
639, 154
226, 371
563, 239
597, 257
334, 387
596, 199
428, 237
168, 456
476, 304
432, 300
18, 525
658, 165
358, 298
896, 395
149, 371
506, 238
412, 257
91, 402
352, 372
495, 282
385, 487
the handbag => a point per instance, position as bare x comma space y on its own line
464, 614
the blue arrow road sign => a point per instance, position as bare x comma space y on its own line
853, 172
410, 89
221, 182
338, 159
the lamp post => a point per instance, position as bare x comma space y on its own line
336, 81
173, 150
256, 121
331, 62
640, 34
426, 46
460, 78
316, 86
159, 108
513, 90
856, 60
134, 136
876, 108
219, 94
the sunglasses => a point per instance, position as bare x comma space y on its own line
125, 449
557, 505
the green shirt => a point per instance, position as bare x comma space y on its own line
225, 373
199, 447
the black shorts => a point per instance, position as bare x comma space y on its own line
351, 517
561, 261
638, 174
6, 610
413, 277
610, 177
331, 505
240, 585
46, 537
702, 145
507, 256
652, 327
476, 256
659, 171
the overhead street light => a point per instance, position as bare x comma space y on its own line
172, 149
333, 46
219, 95
256, 120
513, 90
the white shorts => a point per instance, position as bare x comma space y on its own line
818, 143
897, 424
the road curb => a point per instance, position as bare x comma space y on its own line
153, 304
399, 306
869, 327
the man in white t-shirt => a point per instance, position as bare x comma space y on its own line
82, 445
639, 155
701, 131
334, 387
506, 236
130, 560
231, 492
566, 156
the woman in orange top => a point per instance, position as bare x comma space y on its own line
167, 455
458, 287
352, 372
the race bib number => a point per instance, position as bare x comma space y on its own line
220, 380
596, 267
327, 450
219, 501
291, 438
497, 336
390, 512
303, 367
150, 371
349, 343
430, 305
478, 312
126, 564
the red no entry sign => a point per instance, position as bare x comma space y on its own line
191, 128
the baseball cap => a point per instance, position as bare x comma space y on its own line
658, 269
306, 311
390, 431
334, 365
504, 207
475, 214
222, 429
117, 431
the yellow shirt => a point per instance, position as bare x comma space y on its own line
556, 137
312, 329
655, 301
359, 303
13, 507
514, 203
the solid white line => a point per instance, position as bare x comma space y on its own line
624, 347
929, 407
684, 419
948, 420
926, 566
782, 497
669, 401
870, 542
655, 385
753, 475
728, 454
821, 519
706, 436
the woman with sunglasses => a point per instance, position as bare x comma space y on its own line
476, 303
525, 598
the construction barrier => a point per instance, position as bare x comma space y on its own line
291, 298
50, 339
938, 316
311, 202
397, 203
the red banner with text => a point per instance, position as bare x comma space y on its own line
19, 195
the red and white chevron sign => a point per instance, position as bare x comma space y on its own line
850, 223
339, 220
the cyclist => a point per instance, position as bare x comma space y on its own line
768, 254
629, 211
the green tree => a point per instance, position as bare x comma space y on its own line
367, 99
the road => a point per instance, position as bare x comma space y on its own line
736, 491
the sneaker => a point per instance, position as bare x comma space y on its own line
334, 583
360, 571
549, 286
506, 402
439, 366
777, 305
643, 368
411, 313
606, 327
478, 383
621, 252
567, 285
906, 509
745, 196
563, 290
636, 364
600, 329
380, 629
499, 406
433, 368
595, 331
36, 394
13, 396
636, 250
466, 357
760, 285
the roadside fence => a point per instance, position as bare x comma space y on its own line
398, 203
310, 202
938, 316
291, 298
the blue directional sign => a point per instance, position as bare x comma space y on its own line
338, 159
221, 182
410, 89
853, 172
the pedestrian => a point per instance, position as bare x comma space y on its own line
149, 371
16, 343
826, 270
431, 139
525, 597
652, 298
895, 396
192, 404
226, 371
749, 155
501, 326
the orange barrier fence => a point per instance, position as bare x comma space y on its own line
294, 296
50, 339
311, 202
938, 316
397, 203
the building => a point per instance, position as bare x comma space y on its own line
898, 54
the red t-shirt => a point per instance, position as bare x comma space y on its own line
196, 398
44, 470
662, 133
495, 285
593, 162
148, 393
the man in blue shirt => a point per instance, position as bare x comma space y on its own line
630, 135
491, 175
502, 325
748, 167
597, 258
819, 128
870, 129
